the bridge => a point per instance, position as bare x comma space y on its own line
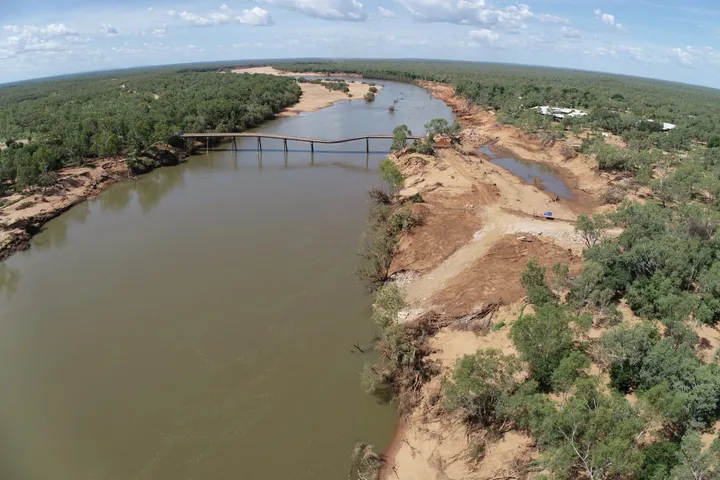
312, 141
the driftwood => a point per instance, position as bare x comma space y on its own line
479, 321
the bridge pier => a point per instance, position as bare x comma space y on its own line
207, 144
234, 144
312, 147
285, 145
367, 145
259, 144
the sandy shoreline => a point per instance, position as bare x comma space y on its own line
314, 97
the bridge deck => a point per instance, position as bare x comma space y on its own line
288, 137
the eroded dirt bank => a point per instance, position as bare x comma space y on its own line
479, 231
23, 214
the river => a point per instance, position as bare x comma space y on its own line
198, 322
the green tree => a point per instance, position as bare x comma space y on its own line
659, 459
696, 463
593, 433
544, 339
536, 287
624, 349
569, 370
591, 229
440, 126
391, 174
400, 136
478, 384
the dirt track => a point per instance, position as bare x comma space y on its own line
479, 233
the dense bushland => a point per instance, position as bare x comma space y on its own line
586, 429
72, 119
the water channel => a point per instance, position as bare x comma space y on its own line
199, 322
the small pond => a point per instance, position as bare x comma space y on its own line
529, 172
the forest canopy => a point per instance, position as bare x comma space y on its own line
75, 118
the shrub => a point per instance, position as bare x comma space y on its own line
378, 195
568, 152
139, 165
373, 90
369, 97
416, 198
423, 147
366, 464
391, 174
403, 220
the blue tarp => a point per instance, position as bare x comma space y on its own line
548, 214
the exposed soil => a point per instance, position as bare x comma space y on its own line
482, 225
314, 97
496, 276
450, 223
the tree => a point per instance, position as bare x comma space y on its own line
440, 126
391, 174
624, 349
594, 433
591, 229
694, 463
479, 382
544, 339
569, 370
400, 136
658, 459
536, 287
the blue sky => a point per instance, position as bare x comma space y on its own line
667, 39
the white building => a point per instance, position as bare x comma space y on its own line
560, 113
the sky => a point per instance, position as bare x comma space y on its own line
675, 40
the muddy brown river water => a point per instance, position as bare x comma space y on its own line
198, 322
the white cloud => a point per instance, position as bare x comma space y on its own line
255, 16
475, 12
385, 13
636, 54
691, 56
28, 39
109, 30
570, 32
609, 20
484, 36
347, 10
683, 57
